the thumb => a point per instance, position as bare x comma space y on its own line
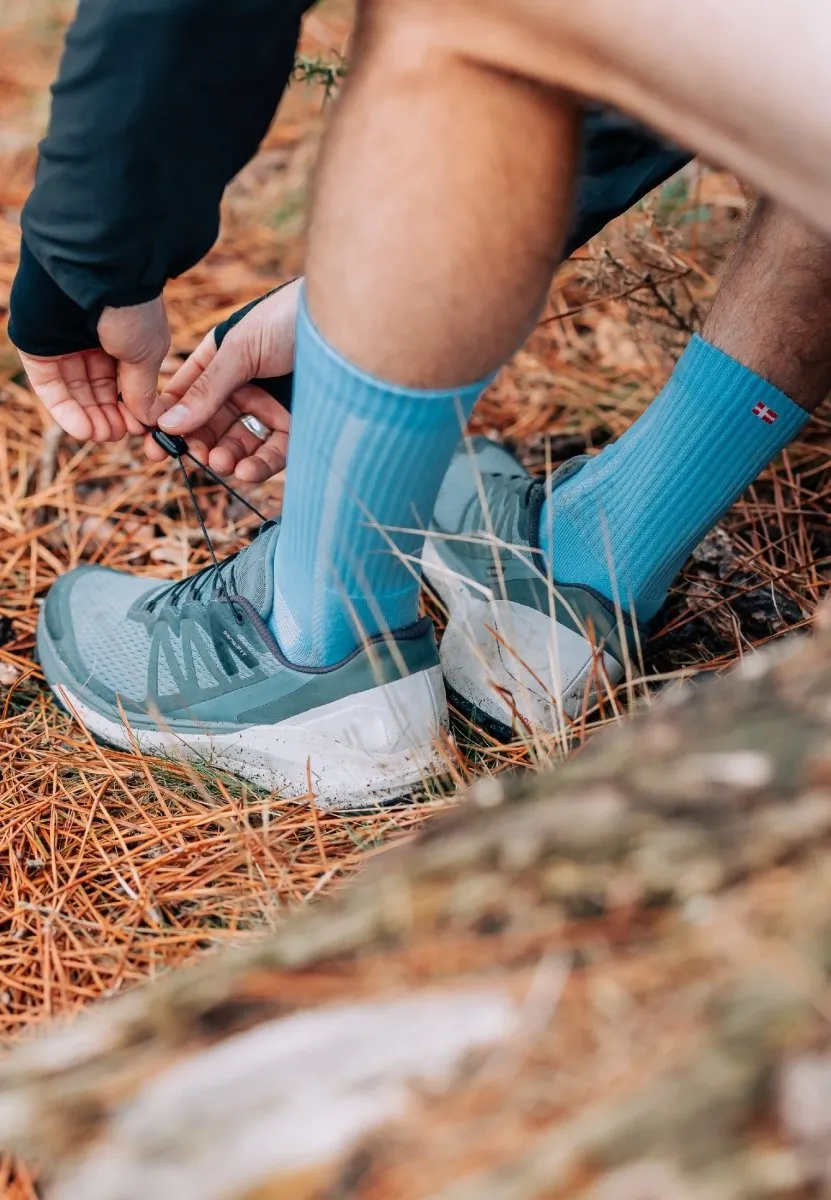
137, 384
138, 338
229, 369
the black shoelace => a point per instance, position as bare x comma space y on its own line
177, 448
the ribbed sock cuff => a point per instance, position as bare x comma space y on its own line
627, 521
366, 459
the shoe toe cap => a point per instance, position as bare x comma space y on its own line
55, 613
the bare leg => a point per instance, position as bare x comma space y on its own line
440, 209
629, 519
773, 309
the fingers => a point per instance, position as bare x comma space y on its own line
268, 459
132, 424
153, 451
201, 443
189, 372
80, 392
101, 374
260, 346
48, 385
233, 440
205, 438
200, 446
238, 445
210, 387
226, 445
137, 383
176, 388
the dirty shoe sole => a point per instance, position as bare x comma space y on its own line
374, 747
515, 668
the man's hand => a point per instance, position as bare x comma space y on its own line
81, 390
211, 392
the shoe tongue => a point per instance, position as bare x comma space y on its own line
481, 475
510, 511
253, 570
530, 512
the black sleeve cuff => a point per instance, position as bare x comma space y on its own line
43, 321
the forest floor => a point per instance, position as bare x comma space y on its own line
114, 868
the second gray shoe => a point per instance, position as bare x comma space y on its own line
519, 652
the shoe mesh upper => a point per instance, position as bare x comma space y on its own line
106, 636
252, 581
113, 649
501, 510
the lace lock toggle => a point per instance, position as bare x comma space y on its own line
172, 443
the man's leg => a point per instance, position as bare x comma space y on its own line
439, 213
441, 205
628, 520
440, 210
773, 309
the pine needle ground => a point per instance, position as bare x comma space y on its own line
113, 868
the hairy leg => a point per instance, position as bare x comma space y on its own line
628, 520
443, 186
773, 309
441, 206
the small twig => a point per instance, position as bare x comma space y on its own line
666, 305
318, 70
624, 294
649, 282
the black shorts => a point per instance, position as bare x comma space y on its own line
621, 162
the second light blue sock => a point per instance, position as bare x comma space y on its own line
627, 521
366, 459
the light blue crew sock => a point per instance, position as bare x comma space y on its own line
627, 521
365, 463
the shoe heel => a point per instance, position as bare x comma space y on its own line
371, 748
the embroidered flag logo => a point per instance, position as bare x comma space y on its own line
765, 414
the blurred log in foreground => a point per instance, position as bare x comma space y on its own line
608, 983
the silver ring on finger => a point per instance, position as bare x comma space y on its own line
255, 426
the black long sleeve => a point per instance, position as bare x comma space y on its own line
158, 104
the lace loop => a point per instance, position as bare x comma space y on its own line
177, 448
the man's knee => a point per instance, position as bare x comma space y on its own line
487, 33
412, 31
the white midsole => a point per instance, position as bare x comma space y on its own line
368, 748
512, 661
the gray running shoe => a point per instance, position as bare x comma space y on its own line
190, 670
519, 652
